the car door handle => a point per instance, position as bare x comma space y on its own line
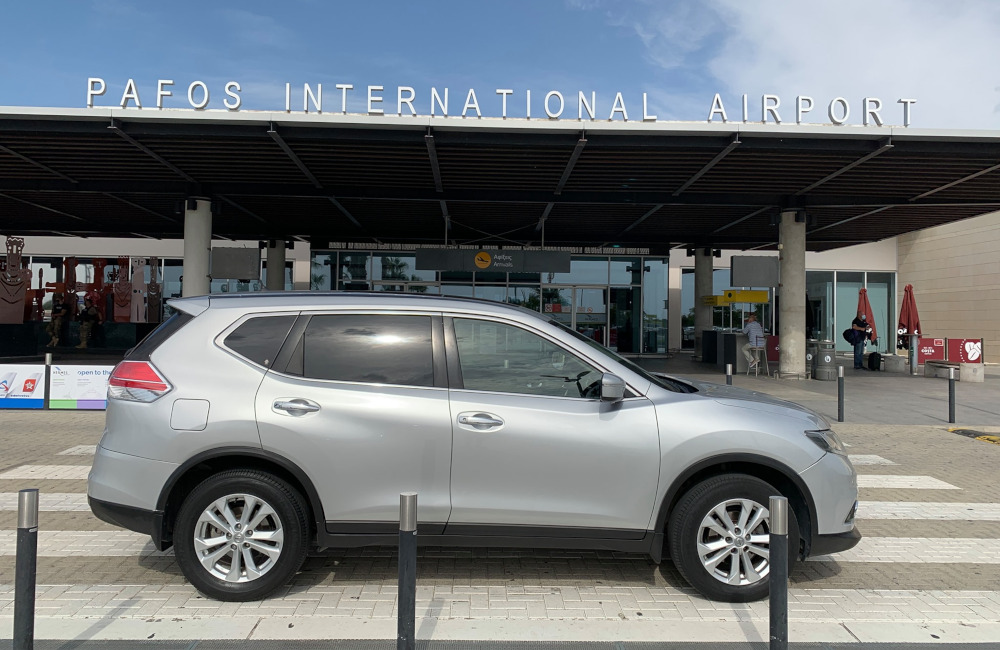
481, 421
295, 406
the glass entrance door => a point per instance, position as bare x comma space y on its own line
585, 309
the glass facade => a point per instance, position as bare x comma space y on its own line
723, 317
831, 305
833, 299
619, 301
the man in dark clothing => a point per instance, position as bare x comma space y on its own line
860, 327
55, 327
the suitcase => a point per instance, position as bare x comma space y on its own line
874, 361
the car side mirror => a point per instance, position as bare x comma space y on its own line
612, 388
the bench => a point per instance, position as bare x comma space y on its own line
970, 372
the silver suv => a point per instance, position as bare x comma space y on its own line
249, 429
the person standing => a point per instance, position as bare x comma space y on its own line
89, 318
755, 334
861, 329
55, 326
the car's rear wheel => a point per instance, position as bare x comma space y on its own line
240, 535
719, 536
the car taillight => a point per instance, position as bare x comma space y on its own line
137, 381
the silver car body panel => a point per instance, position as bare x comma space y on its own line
366, 444
556, 461
127, 480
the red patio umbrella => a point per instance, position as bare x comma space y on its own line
909, 321
865, 307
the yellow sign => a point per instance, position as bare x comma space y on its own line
735, 295
745, 295
483, 259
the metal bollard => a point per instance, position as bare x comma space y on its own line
840, 393
951, 395
914, 344
48, 380
778, 551
406, 616
729, 374
24, 569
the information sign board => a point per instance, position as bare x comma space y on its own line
79, 387
930, 350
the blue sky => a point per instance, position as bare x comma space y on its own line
943, 54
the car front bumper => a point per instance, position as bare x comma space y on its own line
834, 543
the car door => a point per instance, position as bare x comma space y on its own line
535, 448
360, 404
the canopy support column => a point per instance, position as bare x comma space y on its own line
703, 267
197, 247
275, 265
792, 295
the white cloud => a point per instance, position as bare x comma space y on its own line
943, 54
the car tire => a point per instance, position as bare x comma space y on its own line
240, 535
726, 567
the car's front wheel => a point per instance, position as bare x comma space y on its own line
719, 536
240, 535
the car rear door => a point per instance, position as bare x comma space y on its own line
359, 402
536, 451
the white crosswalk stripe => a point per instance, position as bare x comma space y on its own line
77, 502
121, 543
50, 472
97, 543
903, 482
49, 501
928, 511
926, 550
868, 459
84, 450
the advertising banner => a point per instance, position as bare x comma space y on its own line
79, 387
965, 350
22, 386
930, 350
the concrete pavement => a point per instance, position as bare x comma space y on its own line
927, 570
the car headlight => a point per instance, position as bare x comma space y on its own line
827, 440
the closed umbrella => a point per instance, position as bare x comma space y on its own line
865, 307
909, 321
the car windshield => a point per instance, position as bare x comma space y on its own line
667, 383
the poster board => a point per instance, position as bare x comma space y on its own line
79, 387
22, 386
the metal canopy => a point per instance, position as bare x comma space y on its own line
387, 179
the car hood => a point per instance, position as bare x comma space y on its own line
751, 399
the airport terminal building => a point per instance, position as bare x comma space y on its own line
623, 230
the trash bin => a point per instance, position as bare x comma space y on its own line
812, 347
826, 361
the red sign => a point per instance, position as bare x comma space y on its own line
965, 350
930, 350
773, 349
29, 385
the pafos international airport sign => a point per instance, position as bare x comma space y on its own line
504, 102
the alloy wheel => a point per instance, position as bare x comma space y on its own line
238, 538
734, 542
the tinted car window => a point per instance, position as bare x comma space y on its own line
165, 330
381, 349
259, 339
502, 358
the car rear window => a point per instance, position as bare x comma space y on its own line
259, 338
155, 338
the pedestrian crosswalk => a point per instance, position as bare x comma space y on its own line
118, 577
